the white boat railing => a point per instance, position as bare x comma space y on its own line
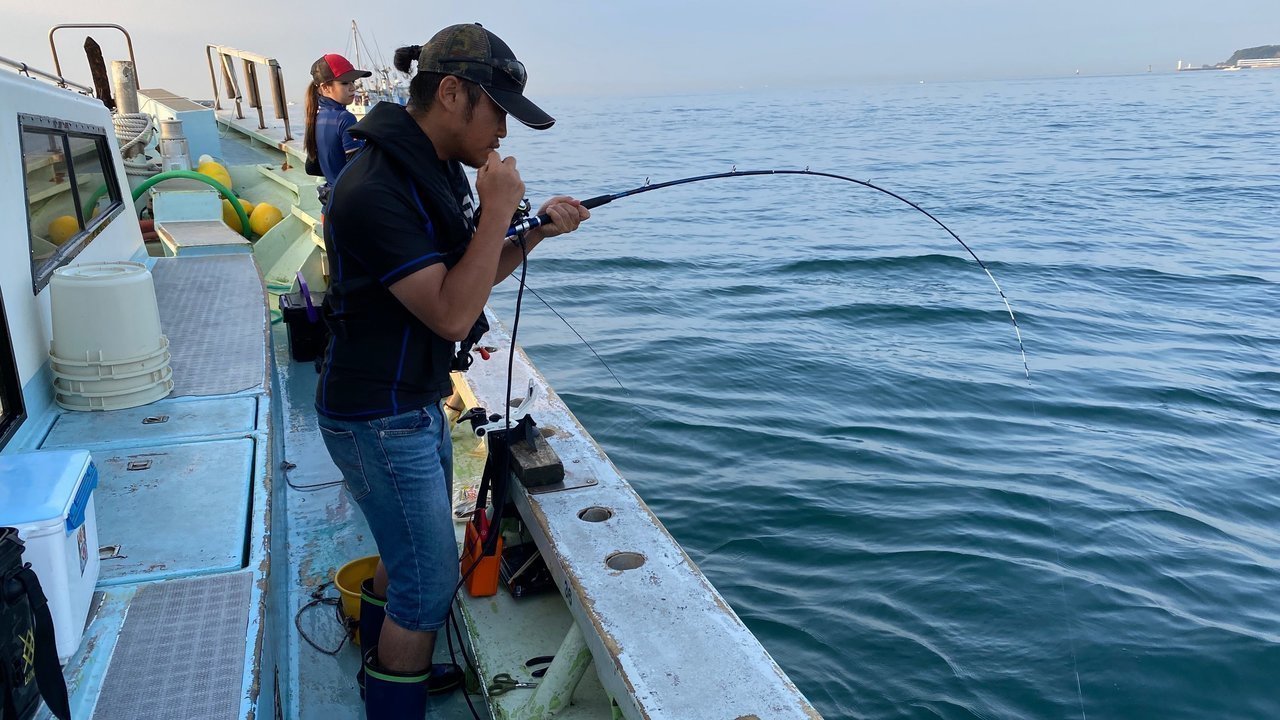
251, 61
55, 78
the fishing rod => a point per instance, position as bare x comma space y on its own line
532, 222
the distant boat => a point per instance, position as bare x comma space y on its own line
387, 84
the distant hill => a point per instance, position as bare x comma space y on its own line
1261, 52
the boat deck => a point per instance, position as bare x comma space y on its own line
177, 622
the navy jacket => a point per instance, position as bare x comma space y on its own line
396, 208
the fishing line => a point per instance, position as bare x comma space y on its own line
536, 221
529, 223
575, 332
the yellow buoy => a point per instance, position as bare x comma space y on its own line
264, 217
229, 214
62, 228
215, 170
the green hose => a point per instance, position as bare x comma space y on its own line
189, 175
93, 200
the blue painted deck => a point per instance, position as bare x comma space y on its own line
174, 419
174, 510
183, 493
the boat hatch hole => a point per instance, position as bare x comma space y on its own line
624, 560
595, 514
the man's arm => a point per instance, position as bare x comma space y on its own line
566, 215
448, 300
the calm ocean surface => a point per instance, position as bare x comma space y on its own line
825, 402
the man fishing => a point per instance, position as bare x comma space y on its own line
413, 262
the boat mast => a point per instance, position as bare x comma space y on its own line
355, 40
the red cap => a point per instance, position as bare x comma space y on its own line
335, 67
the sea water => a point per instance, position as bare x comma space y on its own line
821, 394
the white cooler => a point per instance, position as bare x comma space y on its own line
48, 497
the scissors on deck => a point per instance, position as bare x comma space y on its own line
503, 683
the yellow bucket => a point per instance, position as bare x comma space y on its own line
348, 580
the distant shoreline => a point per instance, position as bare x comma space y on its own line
1262, 56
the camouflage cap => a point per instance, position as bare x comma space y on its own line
473, 53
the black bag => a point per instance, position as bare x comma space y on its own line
308, 334
29, 666
312, 167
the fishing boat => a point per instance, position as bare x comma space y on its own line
213, 544
386, 84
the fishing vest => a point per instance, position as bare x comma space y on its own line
381, 360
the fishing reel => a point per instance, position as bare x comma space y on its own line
520, 219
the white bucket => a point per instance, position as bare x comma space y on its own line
102, 401
83, 370
104, 313
110, 387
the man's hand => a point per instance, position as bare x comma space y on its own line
566, 215
499, 186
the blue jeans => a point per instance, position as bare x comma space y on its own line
399, 469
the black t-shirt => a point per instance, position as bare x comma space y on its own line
381, 359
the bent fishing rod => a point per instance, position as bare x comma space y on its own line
532, 222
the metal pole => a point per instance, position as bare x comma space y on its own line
255, 97
213, 77
124, 83
282, 103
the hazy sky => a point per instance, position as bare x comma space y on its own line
661, 46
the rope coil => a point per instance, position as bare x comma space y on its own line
134, 129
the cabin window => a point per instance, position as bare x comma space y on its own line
72, 190
12, 411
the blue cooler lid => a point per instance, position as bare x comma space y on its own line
39, 487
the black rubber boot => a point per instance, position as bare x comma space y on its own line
372, 613
445, 677
373, 610
392, 695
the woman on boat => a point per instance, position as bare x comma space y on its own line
332, 89
412, 264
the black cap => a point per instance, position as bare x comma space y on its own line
473, 53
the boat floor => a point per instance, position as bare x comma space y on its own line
326, 530
179, 506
